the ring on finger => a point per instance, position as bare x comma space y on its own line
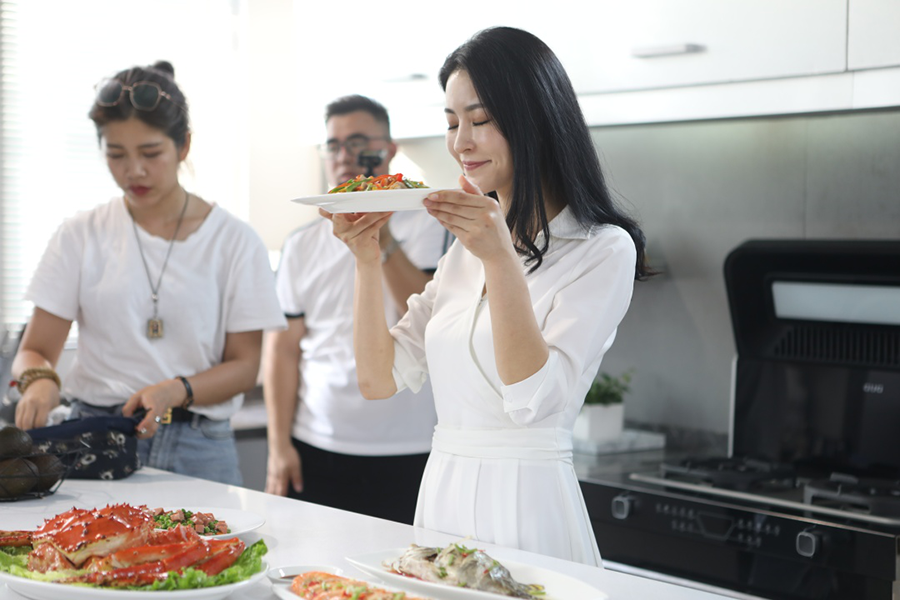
142, 430
158, 419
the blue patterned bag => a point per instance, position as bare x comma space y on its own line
111, 446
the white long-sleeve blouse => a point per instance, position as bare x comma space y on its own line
487, 430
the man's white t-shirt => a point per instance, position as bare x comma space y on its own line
217, 281
315, 280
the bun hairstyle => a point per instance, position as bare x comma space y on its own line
164, 66
170, 115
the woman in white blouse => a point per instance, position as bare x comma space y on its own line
521, 310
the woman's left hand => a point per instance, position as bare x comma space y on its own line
156, 399
476, 220
360, 231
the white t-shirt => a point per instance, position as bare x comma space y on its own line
315, 280
217, 281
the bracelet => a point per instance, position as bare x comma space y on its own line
388, 250
31, 375
190, 392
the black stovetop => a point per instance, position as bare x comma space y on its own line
756, 483
764, 540
821, 491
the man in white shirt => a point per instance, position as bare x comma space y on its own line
327, 444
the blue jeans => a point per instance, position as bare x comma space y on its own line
202, 447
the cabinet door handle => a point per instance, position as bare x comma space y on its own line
666, 50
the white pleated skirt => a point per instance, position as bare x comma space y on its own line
510, 487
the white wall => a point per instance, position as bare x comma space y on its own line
281, 166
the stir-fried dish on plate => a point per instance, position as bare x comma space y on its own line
316, 585
204, 523
374, 183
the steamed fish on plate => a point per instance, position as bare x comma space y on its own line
374, 183
459, 566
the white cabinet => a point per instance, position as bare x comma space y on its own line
630, 62
874, 34
646, 44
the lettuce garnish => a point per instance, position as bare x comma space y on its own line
14, 561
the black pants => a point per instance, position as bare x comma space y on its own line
379, 486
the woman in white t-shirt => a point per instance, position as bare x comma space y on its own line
521, 310
171, 294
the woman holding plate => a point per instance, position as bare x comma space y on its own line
521, 310
170, 292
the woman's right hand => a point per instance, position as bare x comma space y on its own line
34, 407
360, 231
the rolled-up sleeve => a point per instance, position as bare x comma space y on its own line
579, 325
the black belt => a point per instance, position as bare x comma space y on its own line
177, 415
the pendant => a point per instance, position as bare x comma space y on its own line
154, 328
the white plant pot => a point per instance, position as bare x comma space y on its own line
600, 423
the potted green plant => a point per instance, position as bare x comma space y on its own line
603, 414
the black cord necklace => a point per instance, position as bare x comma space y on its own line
155, 324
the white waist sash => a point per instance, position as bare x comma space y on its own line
529, 444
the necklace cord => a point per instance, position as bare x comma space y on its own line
155, 290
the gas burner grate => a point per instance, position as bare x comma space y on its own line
742, 473
872, 496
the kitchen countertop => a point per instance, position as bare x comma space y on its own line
303, 533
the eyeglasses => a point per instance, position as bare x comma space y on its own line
353, 144
144, 95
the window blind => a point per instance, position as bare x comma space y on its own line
52, 53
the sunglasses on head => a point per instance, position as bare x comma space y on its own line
144, 95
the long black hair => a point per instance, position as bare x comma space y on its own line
527, 93
170, 115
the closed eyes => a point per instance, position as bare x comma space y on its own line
474, 124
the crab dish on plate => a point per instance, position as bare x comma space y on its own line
116, 546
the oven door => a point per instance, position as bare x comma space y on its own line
761, 552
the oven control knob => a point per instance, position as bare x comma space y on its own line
808, 543
622, 506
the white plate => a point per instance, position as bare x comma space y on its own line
556, 585
238, 521
284, 591
43, 590
375, 201
285, 575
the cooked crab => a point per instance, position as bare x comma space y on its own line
79, 535
119, 546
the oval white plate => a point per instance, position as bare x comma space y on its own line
238, 521
375, 201
556, 585
284, 591
285, 575
43, 590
